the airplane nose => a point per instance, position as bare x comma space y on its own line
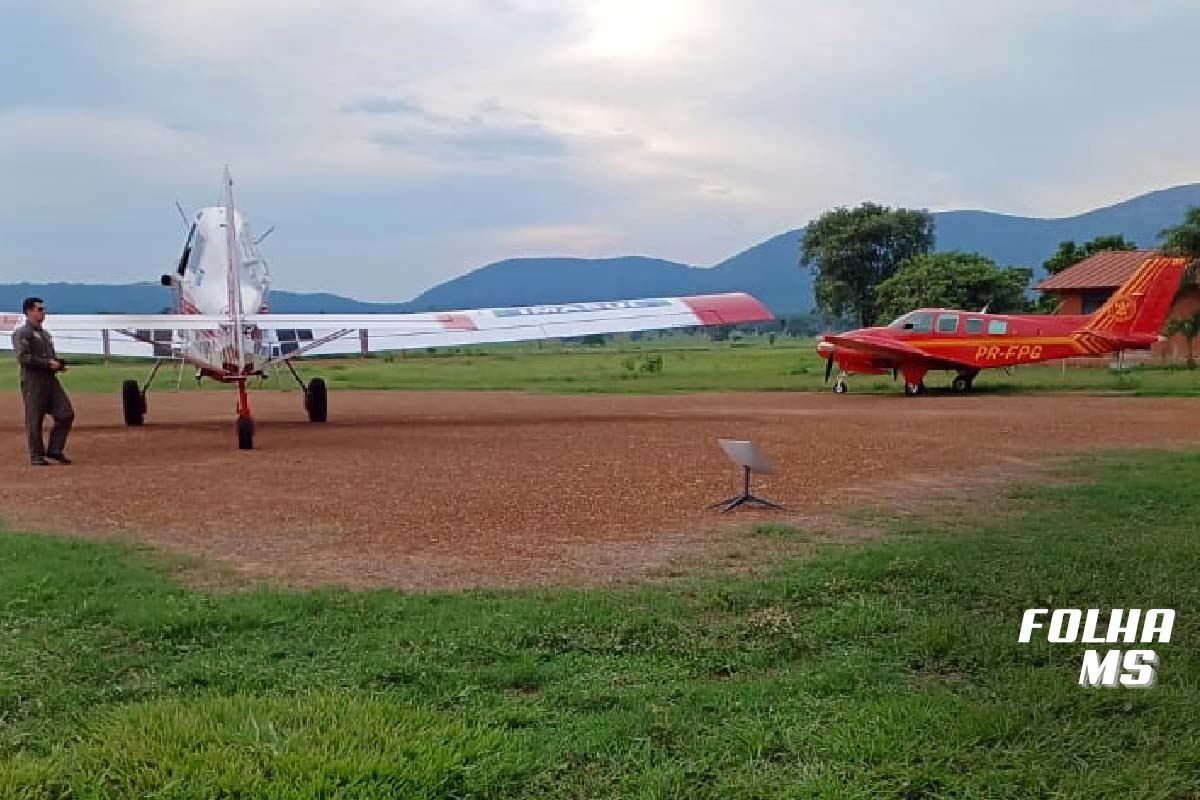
825, 348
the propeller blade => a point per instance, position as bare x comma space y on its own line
828, 368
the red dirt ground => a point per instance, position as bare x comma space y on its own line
448, 490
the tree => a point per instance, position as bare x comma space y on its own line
1183, 239
1189, 329
1069, 254
967, 281
853, 250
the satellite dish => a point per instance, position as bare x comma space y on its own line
749, 458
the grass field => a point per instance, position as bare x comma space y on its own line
887, 669
688, 363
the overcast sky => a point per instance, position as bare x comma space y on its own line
397, 144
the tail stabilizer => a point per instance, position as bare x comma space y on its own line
1137, 310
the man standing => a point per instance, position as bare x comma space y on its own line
40, 389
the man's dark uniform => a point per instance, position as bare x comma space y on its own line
42, 392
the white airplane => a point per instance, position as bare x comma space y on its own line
223, 326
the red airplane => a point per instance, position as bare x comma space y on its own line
966, 342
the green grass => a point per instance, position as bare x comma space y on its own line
775, 530
689, 363
888, 669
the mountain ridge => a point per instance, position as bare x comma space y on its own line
769, 269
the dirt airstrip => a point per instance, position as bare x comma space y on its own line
446, 490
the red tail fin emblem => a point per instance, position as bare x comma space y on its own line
1124, 309
1139, 307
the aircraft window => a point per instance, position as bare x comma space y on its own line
196, 259
947, 323
919, 322
997, 326
250, 260
974, 325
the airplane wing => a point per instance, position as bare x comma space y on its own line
322, 334
151, 335
892, 352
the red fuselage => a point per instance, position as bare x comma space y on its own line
966, 342
963, 340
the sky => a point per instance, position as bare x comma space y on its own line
396, 144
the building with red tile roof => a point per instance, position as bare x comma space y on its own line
1084, 287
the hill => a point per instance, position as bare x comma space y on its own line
1023, 241
152, 298
767, 270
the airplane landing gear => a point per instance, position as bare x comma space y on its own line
133, 397
245, 423
914, 380
133, 402
245, 433
840, 386
962, 383
316, 398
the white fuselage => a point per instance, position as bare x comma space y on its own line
210, 282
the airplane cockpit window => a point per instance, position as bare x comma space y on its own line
252, 264
947, 323
997, 327
195, 263
917, 321
974, 325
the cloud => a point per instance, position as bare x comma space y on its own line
384, 105
444, 134
493, 133
481, 143
592, 239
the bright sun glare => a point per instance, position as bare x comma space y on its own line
637, 28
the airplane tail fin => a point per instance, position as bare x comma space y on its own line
1136, 311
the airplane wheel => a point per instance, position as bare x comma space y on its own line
133, 402
840, 387
914, 389
316, 401
961, 384
245, 433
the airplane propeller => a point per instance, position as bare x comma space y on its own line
828, 367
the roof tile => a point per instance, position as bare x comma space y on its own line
1106, 270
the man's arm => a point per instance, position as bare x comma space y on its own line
22, 344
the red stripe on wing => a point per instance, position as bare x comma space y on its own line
457, 322
727, 309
